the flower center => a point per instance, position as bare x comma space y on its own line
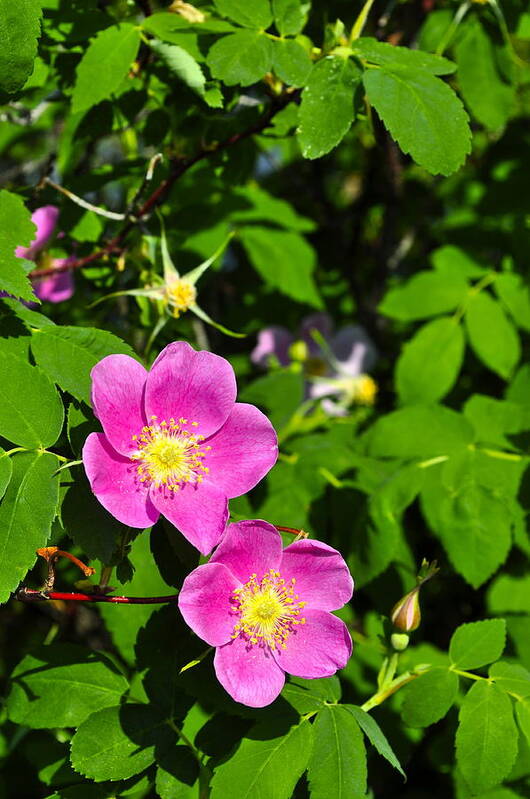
180, 294
268, 610
167, 454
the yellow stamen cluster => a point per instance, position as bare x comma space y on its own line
169, 455
180, 295
365, 390
268, 610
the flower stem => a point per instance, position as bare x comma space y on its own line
30, 595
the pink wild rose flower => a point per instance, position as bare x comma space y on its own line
56, 288
175, 442
267, 610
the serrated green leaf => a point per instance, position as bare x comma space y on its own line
487, 96
6, 470
170, 26
16, 229
284, 260
511, 677
457, 263
327, 111
417, 432
522, 713
428, 698
375, 735
291, 62
104, 65
381, 53
493, 418
422, 114
181, 64
176, 775
267, 765
61, 685
26, 515
430, 362
67, 355
337, 766
486, 739
289, 16
257, 15
240, 58
510, 594
477, 643
492, 336
19, 32
31, 411
515, 294
425, 294
118, 742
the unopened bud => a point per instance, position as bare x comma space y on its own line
298, 351
399, 641
405, 614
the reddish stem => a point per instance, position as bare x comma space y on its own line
29, 595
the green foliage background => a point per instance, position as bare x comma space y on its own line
368, 161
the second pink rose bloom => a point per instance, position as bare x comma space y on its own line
56, 288
175, 442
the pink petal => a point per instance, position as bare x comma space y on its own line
322, 577
204, 601
57, 288
45, 219
317, 648
248, 673
243, 450
320, 322
199, 386
248, 548
118, 383
274, 340
114, 481
200, 512
354, 350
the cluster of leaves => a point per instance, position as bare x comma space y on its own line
218, 116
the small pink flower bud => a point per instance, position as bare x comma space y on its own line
405, 614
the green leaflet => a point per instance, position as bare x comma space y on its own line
16, 229
6, 470
382, 53
375, 735
422, 114
327, 110
486, 739
19, 31
477, 643
491, 335
425, 294
437, 430
427, 699
289, 16
257, 15
515, 294
291, 62
240, 58
337, 766
26, 515
104, 65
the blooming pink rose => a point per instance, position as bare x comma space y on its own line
175, 442
267, 610
58, 287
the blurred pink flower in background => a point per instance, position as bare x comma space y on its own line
56, 288
335, 364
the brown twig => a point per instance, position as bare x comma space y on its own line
178, 167
30, 595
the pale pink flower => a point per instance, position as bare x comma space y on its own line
267, 610
57, 287
175, 442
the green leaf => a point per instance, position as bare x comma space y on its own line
19, 32
425, 294
375, 735
487, 96
184, 66
422, 114
491, 335
486, 739
61, 685
511, 677
289, 16
337, 767
26, 515
176, 774
522, 713
456, 262
515, 294
256, 15
493, 418
31, 411
6, 470
170, 27
381, 53
510, 594
87, 522
267, 765
118, 742
290, 62
308, 695
430, 362
16, 229
68, 354
284, 260
436, 431
326, 110
104, 65
477, 644
428, 698
240, 58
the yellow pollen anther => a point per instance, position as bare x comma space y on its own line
365, 390
268, 610
180, 295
